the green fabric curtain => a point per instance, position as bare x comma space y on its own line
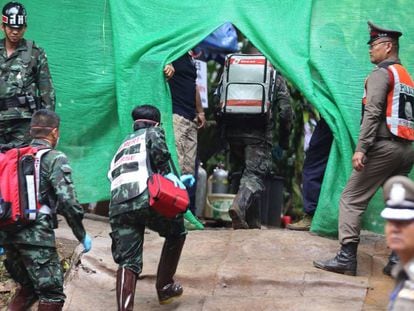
107, 56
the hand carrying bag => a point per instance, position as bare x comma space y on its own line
164, 197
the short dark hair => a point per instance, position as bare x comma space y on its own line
147, 112
43, 122
395, 44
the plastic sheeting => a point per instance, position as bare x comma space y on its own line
107, 56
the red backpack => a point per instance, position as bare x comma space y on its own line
19, 184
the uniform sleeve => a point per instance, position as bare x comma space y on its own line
284, 110
377, 88
66, 200
44, 82
158, 151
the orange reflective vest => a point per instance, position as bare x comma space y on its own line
399, 113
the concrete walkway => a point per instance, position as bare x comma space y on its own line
223, 269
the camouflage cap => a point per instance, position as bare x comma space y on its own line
376, 32
399, 198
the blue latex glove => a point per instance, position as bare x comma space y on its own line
1, 251
188, 180
175, 180
87, 243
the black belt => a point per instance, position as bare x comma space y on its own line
394, 138
13, 102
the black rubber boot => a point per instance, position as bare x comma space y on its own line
345, 261
126, 281
167, 289
50, 306
241, 204
392, 261
253, 214
23, 299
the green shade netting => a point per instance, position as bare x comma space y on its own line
107, 56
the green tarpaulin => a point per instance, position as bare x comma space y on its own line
107, 56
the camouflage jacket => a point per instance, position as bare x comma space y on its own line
159, 156
26, 71
56, 191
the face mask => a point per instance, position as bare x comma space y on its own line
57, 141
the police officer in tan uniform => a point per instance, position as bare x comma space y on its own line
399, 230
383, 149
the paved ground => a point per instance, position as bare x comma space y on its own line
222, 269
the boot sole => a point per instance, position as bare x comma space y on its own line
169, 300
297, 228
345, 272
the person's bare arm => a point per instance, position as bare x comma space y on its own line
201, 118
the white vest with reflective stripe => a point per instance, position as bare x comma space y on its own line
128, 173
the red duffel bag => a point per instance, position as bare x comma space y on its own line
165, 198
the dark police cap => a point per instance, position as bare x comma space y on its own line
376, 32
399, 199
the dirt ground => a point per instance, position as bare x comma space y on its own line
222, 269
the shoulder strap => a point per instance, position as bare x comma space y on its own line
391, 77
38, 158
27, 55
170, 162
149, 168
26, 58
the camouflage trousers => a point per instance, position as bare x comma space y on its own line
185, 134
15, 132
256, 161
37, 268
128, 234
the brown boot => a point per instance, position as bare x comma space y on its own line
238, 209
302, 225
22, 300
50, 306
167, 289
126, 280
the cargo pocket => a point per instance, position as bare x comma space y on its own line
49, 277
45, 224
67, 173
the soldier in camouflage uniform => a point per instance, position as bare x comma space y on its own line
129, 211
25, 81
31, 256
252, 148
